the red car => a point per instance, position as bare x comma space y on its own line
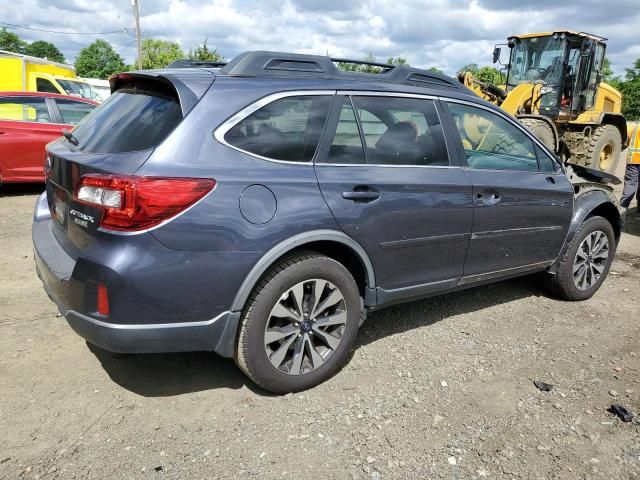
28, 121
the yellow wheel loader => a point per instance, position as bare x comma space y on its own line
554, 86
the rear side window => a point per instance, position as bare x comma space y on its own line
286, 129
131, 119
72, 111
24, 109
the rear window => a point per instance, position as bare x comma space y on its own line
131, 119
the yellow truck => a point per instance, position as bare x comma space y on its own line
22, 73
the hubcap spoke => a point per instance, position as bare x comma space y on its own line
277, 358
298, 355
316, 358
330, 340
318, 288
298, 295
338, 318
279, 333
281, 311
334, 297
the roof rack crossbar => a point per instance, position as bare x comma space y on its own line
388, 66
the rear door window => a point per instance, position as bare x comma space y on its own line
73, 111
24, 109
401, 131
346, 147
287, 129
131, 119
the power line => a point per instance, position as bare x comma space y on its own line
128, 45
123, 30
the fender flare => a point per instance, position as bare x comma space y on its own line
289, 244
582, 207
226, 345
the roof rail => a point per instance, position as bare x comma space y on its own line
279, 64
188, 63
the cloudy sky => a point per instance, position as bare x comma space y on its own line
442, 33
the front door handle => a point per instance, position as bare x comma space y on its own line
363, 195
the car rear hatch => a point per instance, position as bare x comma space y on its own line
113, 142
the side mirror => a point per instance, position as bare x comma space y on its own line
496, 54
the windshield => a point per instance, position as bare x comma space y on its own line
537, 59
80, 89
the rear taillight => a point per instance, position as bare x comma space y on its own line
102, 300
131, 203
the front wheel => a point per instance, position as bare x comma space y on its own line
299, 324
586, 262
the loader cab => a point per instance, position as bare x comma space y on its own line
568, 66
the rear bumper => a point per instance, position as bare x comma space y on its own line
56, 271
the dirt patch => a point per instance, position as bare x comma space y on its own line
441, 388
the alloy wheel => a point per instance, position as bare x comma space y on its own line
590, 260
305, 326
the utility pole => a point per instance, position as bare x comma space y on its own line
134, 4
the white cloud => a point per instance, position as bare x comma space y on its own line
442, 33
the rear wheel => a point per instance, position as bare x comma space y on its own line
542, 130
585, 264
299, 324
603, 149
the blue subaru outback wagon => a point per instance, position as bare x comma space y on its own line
262, 209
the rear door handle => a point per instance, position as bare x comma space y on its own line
551, 180
361, 196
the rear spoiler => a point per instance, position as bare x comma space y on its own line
189, 85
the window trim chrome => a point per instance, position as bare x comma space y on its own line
237, 117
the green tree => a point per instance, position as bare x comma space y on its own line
11, 42
484, 74
400, 61
355, 67
44, 49
159, 53
204, 53
98, 60
630, 89
434, 70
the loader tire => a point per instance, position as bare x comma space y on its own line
603, 149
542, 131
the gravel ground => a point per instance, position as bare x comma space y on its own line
441, 388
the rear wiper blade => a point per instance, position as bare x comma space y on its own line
69, 136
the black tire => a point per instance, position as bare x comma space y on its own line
542, 130
562, 283
251, 355
606, 141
